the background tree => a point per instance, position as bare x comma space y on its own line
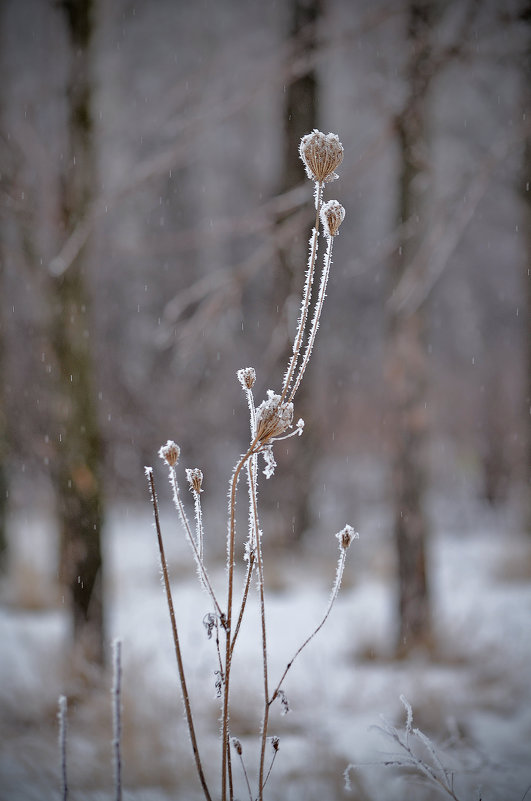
3, 417
77, 463
300, 116
526, 194
407, 358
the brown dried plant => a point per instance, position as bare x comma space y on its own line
270, 421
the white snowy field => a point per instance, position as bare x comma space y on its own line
473, 699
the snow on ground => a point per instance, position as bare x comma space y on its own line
474, 698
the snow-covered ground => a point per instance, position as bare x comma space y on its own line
473, 699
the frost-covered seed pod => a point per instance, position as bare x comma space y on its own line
345, 537
332, 215
272, 417
194, 477
247, 377
321, 154
237, 745
170, 453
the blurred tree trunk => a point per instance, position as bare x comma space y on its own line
3, 442
300, 117
526, 192
407, 353
77, 466
4, 489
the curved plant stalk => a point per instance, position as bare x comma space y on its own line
61, 716
316, 317
180, 666
333, 596
201, 569
307, 294
225, 754
117, 718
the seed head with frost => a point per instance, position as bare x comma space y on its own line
345, 537
170, 453
321, 154
273, 417
247, 377
332, 215
237, 745
194, 477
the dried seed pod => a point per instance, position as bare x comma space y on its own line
273, 417
194, 477
332, 215
275, 742
237, 745
247, 377
345, 537
170, 453
321, 154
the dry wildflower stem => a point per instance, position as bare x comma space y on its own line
61, 715
117, 717
269, 422
180, 666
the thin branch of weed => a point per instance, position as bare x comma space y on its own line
430, 768
117, 717
61, 716
167, 587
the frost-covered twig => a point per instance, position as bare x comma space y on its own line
61, 715
117, 717
275, 745
180, 666
231, 533
239, 750
170, 454
345, 537
321, 154
434, 770
332, 215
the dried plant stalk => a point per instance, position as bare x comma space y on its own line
167, 588
269, 422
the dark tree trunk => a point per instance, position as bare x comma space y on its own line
3, 447
3, 418
526, 192
300, 118
407, 355
78, 463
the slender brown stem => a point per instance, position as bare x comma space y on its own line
201, 569
333, 596
244, 600
297, 344
62, 745
275, 752
186, 698
225, 756
259, 559
316, 318
117, 718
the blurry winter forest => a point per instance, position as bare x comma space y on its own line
154, 220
